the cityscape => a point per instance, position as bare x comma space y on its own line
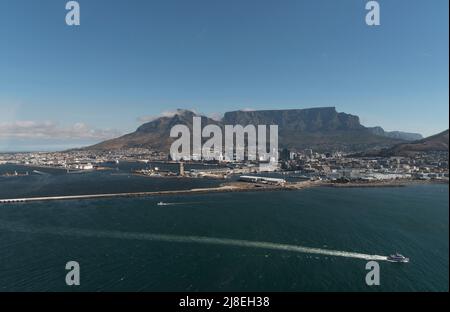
294, 170
332, 167
228, 153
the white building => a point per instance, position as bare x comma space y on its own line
256, 179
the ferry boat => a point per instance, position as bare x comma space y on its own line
398, 258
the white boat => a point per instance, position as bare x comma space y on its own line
398, 258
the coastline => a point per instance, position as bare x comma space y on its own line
393, 183
227, 187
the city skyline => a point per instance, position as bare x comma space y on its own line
62, 86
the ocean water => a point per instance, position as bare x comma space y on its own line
257, 241
54, 182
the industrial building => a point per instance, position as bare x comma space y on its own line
255, 179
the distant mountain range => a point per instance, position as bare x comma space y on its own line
396, 134
322, 129
435, 143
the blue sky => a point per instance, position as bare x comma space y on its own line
131, 60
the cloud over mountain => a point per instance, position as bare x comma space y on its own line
168, 114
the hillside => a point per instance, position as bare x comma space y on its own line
435, 143
322, 129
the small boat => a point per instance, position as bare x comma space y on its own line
162, 204
398, 258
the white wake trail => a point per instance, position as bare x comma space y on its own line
14, 227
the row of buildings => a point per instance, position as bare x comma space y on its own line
330, 166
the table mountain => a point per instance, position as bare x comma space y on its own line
322, 129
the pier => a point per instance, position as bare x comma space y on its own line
229, 187
220, 189
99, 196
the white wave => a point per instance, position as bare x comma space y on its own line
15, 227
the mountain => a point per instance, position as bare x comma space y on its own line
435, 143
154, 135
322, 129
297, 120
407, 136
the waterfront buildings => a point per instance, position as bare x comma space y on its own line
332, 166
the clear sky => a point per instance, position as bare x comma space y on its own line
131, 60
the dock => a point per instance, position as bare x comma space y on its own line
229, 187
220, 189
100, 196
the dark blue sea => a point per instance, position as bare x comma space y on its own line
217, 242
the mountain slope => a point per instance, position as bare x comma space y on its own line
323, 129
407, 136
153, 135
435, 143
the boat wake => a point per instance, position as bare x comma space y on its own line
176, 204
16, 227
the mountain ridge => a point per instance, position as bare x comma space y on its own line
322, 128
435, 143
407, 136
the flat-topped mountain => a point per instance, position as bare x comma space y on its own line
297, 120
322, 129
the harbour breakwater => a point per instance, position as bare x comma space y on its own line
226, 187
222, 188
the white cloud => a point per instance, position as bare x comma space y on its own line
149, 118
216, 116
169, 114
26, 129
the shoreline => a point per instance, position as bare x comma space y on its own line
228, 187
375, 184
220, 189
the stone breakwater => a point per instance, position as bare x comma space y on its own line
226, 187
